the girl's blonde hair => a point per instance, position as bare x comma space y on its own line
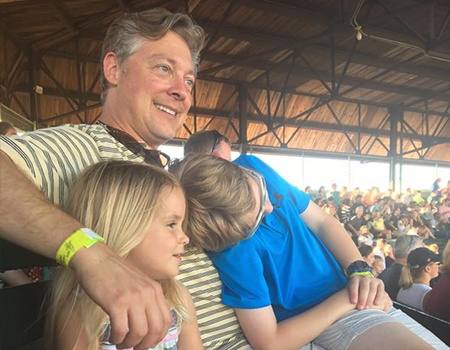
117, 200
220, 198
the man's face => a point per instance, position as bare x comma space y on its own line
151, 91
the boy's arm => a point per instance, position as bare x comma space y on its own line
263, 332
364, 291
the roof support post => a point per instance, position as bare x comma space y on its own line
243, 118
396, 116
34, 99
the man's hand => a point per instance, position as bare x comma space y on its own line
368, 292
138, 312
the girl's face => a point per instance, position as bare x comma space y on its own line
159, 253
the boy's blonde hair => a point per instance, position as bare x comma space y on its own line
220, 198
116, 199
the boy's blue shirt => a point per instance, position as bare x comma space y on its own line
284, 264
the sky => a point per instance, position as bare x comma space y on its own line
316, 172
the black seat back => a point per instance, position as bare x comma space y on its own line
21, 307
439, 327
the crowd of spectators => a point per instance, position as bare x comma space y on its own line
387, 215
397, 235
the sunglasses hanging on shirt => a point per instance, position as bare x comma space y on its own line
151, 156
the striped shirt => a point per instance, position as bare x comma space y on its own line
219, 327
53, 157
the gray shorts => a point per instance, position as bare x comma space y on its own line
340, 334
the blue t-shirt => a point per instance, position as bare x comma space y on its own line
284, 264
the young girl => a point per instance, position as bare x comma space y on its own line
422, 266
139, 210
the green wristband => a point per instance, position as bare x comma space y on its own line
362, 273
82, 238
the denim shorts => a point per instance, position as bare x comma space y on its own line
340, 334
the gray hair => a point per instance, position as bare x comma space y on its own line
127, 33
405, 244
202, 142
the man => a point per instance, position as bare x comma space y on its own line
355, 223
402, 246
358, 202
268, 324
149, 63
209, 142
7, 129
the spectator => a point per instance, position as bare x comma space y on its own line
378, 250
144, 105
345, 194
422, 266
307, 190
365, 237
367, 254
355, 223
436, 190
7, 129
344, 213
209, 142
354, 194
434, 248
403, 226
402, 246
357, 202
321, 194
378, 228
377, 266
335, 195
437, 302
389, 255
444, 211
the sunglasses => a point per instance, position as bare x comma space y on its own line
217, 138
151, 156
263, 198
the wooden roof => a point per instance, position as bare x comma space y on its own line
275, 74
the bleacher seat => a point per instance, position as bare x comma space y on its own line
436, 325
21, 307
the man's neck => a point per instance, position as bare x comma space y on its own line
401, 261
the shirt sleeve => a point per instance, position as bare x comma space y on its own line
241, 271
51, 157
278, 188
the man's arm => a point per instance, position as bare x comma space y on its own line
364, 291
132, 301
